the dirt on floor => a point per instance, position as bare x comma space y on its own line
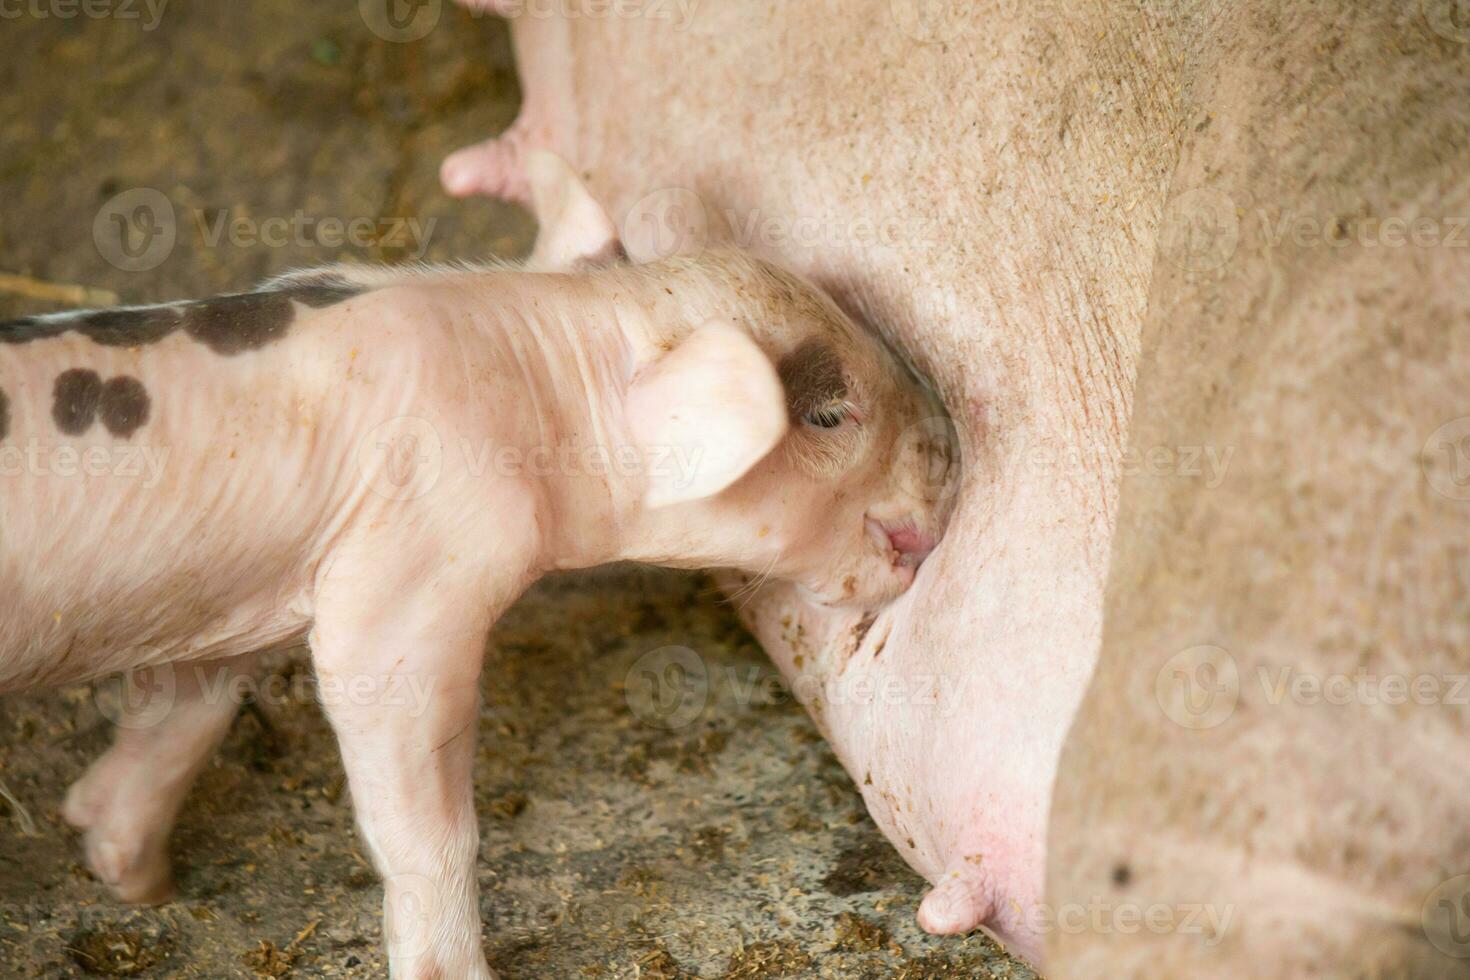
623, 834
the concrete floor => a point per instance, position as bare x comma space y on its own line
731, 845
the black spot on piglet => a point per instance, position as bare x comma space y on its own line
79, 396
4, 415
74, 399
248, 321
124, 406
123, 327
130, 327
326, 292
235, 324
30, 328
226, 324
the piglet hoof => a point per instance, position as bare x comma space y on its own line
439, 971
122, 851
84, 801
493, 168
954, 907
136, 869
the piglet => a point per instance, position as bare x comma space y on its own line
381, 461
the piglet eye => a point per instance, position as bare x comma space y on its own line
826, 416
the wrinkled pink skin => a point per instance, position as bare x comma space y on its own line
1011, 266
1057, 175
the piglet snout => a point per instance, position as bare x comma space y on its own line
909, 545
912, 546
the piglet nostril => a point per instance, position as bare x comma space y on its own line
912, 546
906, 545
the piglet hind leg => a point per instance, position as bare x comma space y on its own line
169, 723
399, 673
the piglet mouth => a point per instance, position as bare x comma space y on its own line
906, 545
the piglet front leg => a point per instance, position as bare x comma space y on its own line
399, 674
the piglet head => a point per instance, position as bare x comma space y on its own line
813, 454
797, 444
850, 495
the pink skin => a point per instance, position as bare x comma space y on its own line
910, 544
339, 471
1010, 261
1047, 181
499, 167
495, 167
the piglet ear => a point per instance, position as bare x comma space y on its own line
574, 227
705, 413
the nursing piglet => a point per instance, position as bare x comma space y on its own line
381, 461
